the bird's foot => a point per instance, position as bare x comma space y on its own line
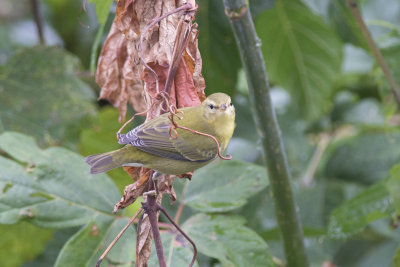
187, 175
150, 193
156, 176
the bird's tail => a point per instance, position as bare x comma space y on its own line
102, 162
126, 156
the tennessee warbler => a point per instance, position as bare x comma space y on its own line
150, 145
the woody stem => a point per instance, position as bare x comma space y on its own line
275, 157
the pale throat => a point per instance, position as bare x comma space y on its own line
224, 130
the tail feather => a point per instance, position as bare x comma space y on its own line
103, 162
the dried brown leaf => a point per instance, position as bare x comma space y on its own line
143, 243
164, 186
123, 77
135, 190
144, 239
118, 75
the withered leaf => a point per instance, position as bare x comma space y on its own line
135, 190
144, 238
164, 185
120, 72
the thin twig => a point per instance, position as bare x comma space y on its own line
38, 20
165, 225
130, 120
118, 237
319, 152
182, 232
181, 41
181, 204
394, 87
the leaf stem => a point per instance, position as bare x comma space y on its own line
268, 128
394, 87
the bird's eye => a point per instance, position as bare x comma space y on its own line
211, 106
231, 104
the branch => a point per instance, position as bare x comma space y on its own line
38, 20
394, 87
150, 207
182, 232
276, 163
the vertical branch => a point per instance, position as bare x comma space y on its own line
394, 87
276, 163
151, 208
38, 20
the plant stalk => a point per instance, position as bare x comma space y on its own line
253, 62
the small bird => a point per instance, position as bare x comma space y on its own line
151, 145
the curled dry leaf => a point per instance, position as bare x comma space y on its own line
135, 190
143, 243
144, 238
164, 185
122, 76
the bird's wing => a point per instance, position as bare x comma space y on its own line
154, 138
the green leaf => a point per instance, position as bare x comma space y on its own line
87, 245
228, 240
177, 250
365, 158
41, 95
102, 9
218, 49
224, 186
52, 248
396, 259
352, 216
100, 137
21, 242
52, 187
393, 186
302, 54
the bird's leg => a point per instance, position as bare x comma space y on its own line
155, 177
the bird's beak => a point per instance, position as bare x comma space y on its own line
223, 107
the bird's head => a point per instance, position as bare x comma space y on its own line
218, 106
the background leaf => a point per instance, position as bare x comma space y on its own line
102, 9
41, 95
365, 158
217, 45
21, 242
302, 54
54, 189
224, 186
393, 186
178, 252
352, 216
87, 245
225, 238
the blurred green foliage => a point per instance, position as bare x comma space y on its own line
337, 115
